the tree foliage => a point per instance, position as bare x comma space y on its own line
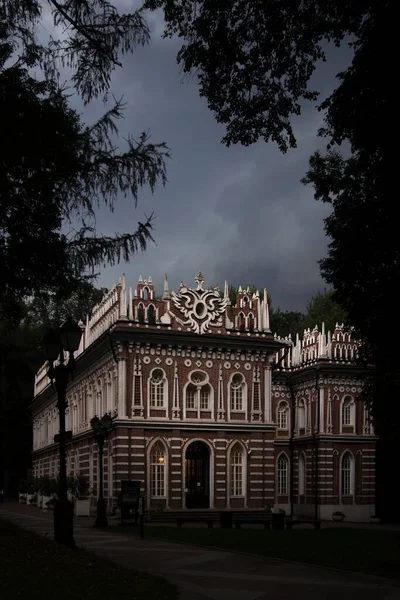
254, 59
54, 169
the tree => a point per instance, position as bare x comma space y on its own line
53, 314
20, 358
322, 308
54, 169
254, 61
284, 322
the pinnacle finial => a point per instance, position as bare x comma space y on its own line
199, 279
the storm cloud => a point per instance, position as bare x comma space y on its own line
237, 213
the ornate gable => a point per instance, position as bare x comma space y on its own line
199, 309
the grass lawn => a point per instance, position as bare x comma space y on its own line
362, 550
33, 567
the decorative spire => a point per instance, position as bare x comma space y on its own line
166, 294
130, 304
265, 316
135, 293
150, 279
226, 292
140, 279
240, 289
322, 343
122, 300
199, 279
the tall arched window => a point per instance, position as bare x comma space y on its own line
236, 474
140, 313
157, 381
205, 397
282, 475
157, 471
191, 392
302, 475
282, 415
301, 414
236, 392
151, 315
347, 474
347, 412
145, 293
250, 321
241, 322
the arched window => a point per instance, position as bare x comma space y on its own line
145, 293
347, 474
302, 475
282, 415
301, 414
241, 322
251, 322
245, 301
205, 397
282, 475
236, 392
157, 381
157, 471
140, 313
237, 487
151, 315
191, 392
347, 412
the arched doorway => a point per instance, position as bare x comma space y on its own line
197, 475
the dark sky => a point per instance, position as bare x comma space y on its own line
237, 213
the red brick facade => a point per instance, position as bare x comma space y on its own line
211, 410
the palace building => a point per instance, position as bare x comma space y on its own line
211, 409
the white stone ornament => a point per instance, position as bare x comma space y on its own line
168, 361
188, 362
199, 307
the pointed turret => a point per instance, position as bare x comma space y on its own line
140, 279
150, 279
166, 294
122, 299
265, 312
226, 292
131, 315
322, 343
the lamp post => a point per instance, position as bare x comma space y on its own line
54, 343
102, 428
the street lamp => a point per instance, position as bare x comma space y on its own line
54, 344
102, 428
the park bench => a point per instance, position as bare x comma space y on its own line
265, 522
180, 522
315, 522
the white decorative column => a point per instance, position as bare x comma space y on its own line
122, 388
321, 410
329, 417
267, 393
220, 405
176, 412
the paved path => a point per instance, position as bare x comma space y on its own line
206, 574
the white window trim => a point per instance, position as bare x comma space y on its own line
244, 397
244, 473
352, 413
287, 475
284, 403
165, 406
166, 473
352, 473
197, 402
